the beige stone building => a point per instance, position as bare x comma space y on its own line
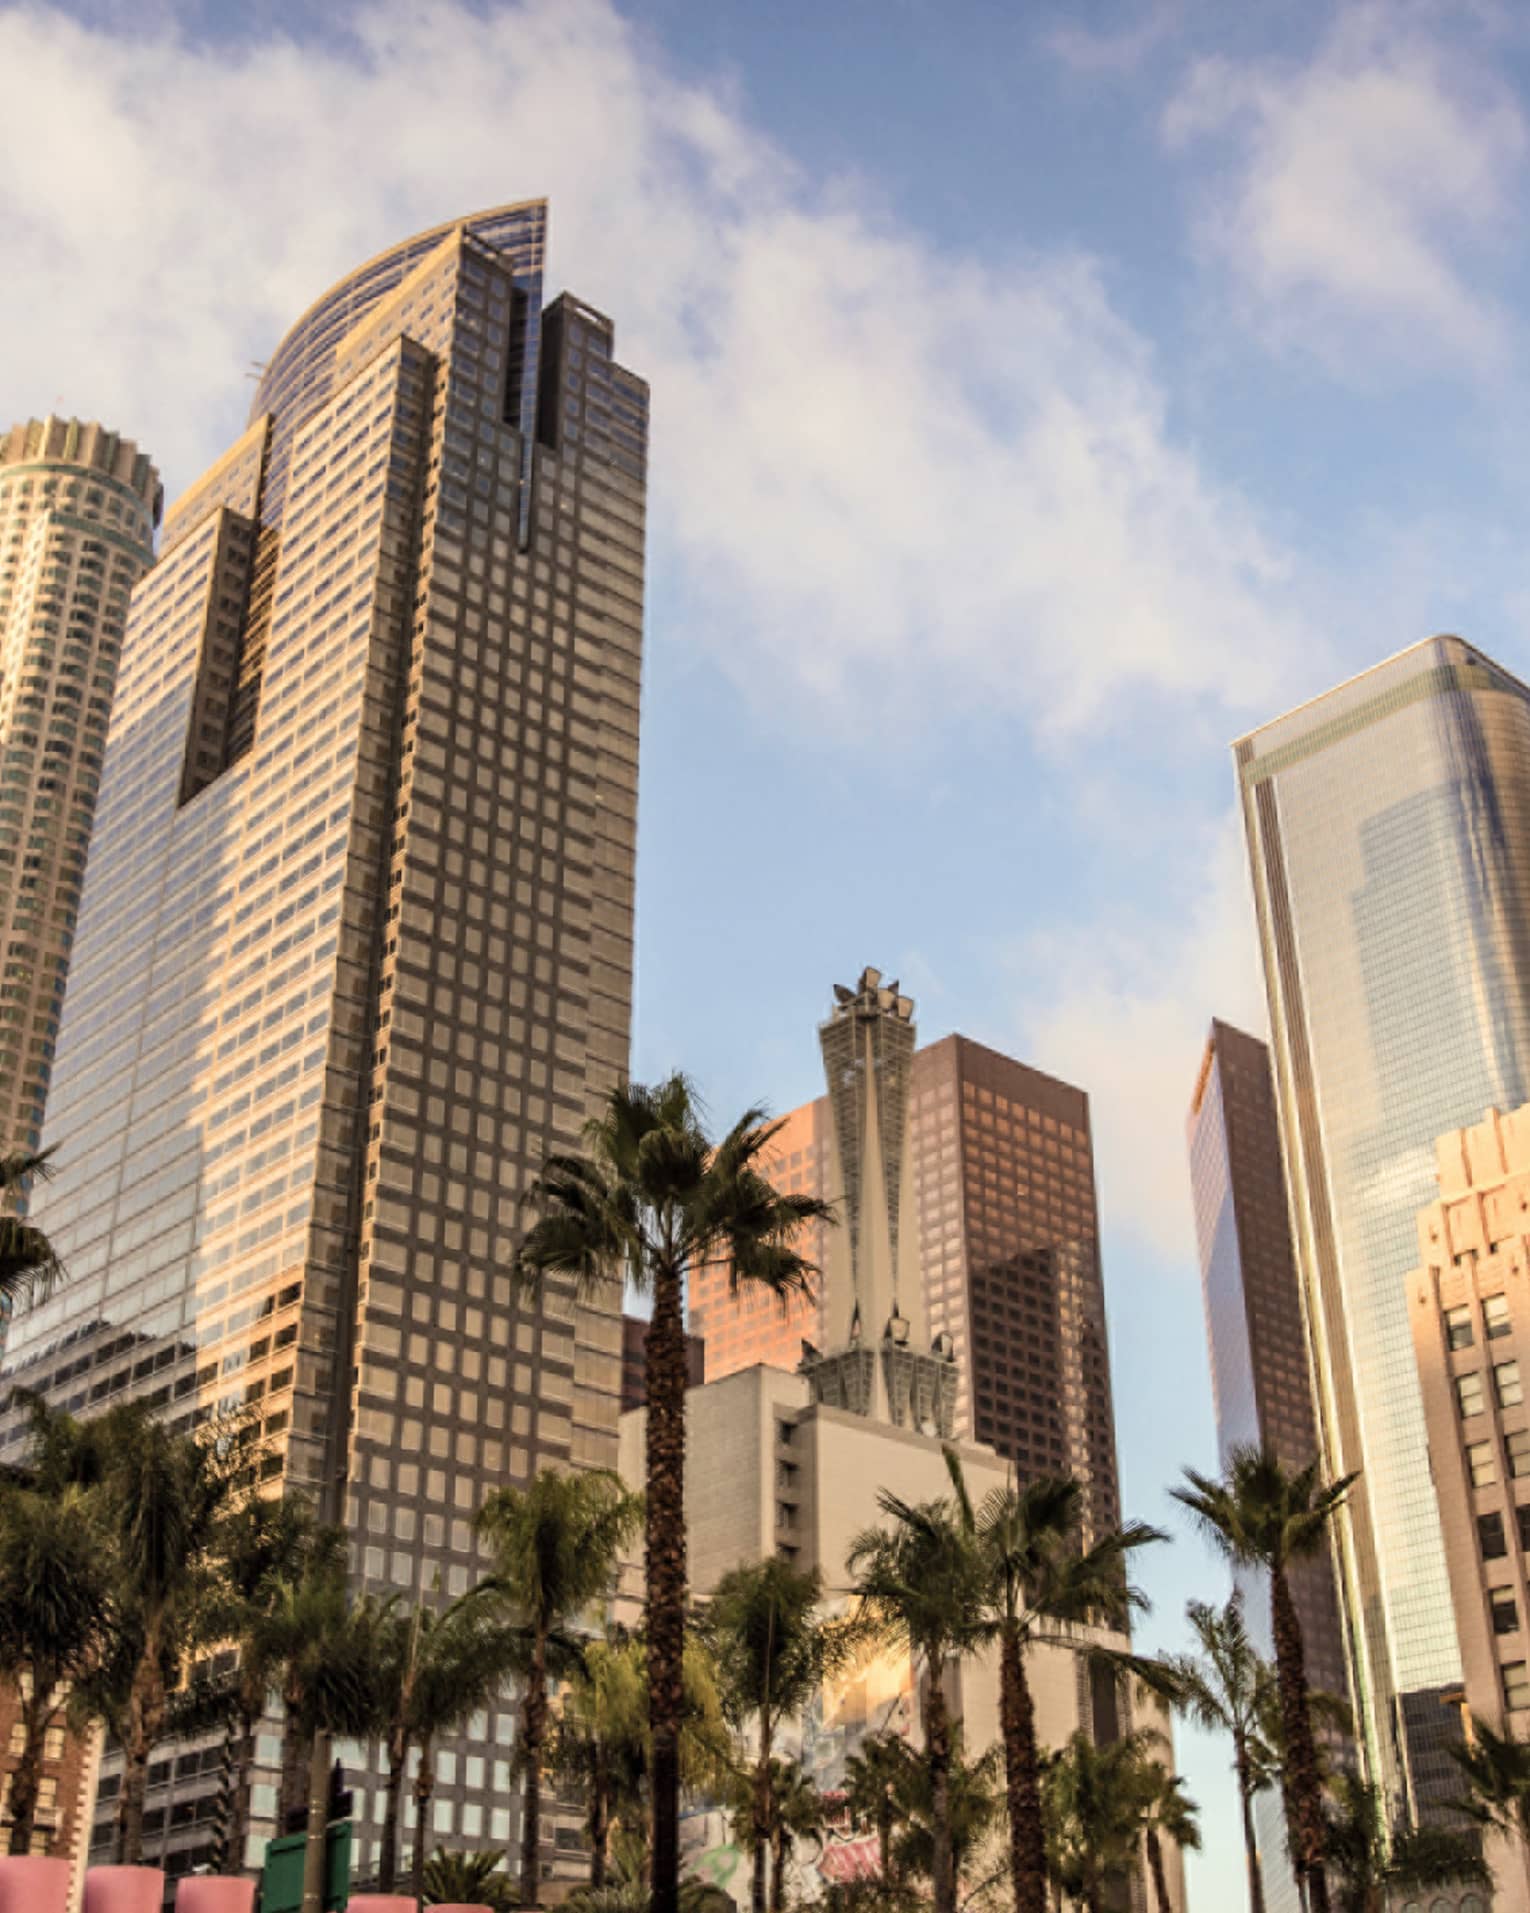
1469, 1307
78, 508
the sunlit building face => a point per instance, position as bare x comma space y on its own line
356, 944
1389, 832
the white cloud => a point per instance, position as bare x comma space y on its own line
876, 462
1125, 1010
1114, 52
1368, 193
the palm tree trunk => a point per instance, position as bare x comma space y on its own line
1250, 1842
599, 1823
1300, 1751
666, 1574
316, 1841
398, 1760
145, 1720
761, 1816
779, 1845
424, 1787
1022, 1780
36, 1713
1155, 1866
937, 1751
533, 1733
884, 1840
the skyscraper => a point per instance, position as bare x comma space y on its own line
1260, 1382
1002, 1170
1388, 826
356, 944
78, 508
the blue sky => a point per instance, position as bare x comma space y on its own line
1041, 398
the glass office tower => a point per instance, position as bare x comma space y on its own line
355, 948
1389, 835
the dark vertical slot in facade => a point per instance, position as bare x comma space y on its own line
550, 377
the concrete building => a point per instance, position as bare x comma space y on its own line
355, 949
1001, 1166
1469, 1309
66, 1791
1260, 1381
78, 508
1388, 826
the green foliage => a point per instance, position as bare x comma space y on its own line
1094, 1812
1368, 1866
28, 1264
1262, 1514
1496, 1770
468, 1879
556, 1543
976, 1802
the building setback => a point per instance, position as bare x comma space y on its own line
78, 508
1469, 1309
1260, 1381
355, 949
1388, 826
1008, 1244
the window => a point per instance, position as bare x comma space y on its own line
1490, 1537
1517, 1446
1504, 1610
1469, 1397
1458, 1328
1516, 1684
1507, 1385
1495, 1316
1522, 1515
1482, 1463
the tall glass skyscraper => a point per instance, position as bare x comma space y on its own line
355, 948
1388, 826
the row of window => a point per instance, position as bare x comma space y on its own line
1471, 1390
1459, 1332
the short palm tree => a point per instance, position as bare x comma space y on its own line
973, 1802
797, 1812
1226, 1687
1167, 1813
774, 1650
56, 1618
1496, 1769
1264, 1515
922, 1586
1092, 1797
599, 1740
1369, 1867
467, 1879
874, 1773
1042, 1583
28, 1264
651, 1197
556, 1544
434, 1669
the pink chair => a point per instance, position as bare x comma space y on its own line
455, 1906
383, 1903
31, 1884
124, 1890
205, 1893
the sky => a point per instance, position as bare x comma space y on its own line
1042, 397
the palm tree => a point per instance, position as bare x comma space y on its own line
651, 1198
1041, 1584
434, 1669
1496, 1768
1368, 1867
873, 1775
467, 1879
28, 1264
1167, 1813
55, 1620
1226, 1687
797, 1812
556, 1544
773, 1651
973, 1804
1263, 1515
922, 1587
1093, 1801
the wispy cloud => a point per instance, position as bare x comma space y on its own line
883, 469
1362, 194
1112, 53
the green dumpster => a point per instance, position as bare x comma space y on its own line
281, 1878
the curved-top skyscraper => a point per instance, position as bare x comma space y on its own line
355, 948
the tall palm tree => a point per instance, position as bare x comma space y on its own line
1226, 1687
873, 1775
1166, 1813
652, 1197
435, 1668
1369, 1867
556, 1544
1093, 1801
1264, 1515
1496, 1769
56, 1617
1041, 1583
774, 1650
921, 1585
28, 1263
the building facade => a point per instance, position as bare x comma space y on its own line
355, 949
66, 1790
635, 1362
1001, 1164
1468, 1306
1388, 827
78, 509
1260, 1381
